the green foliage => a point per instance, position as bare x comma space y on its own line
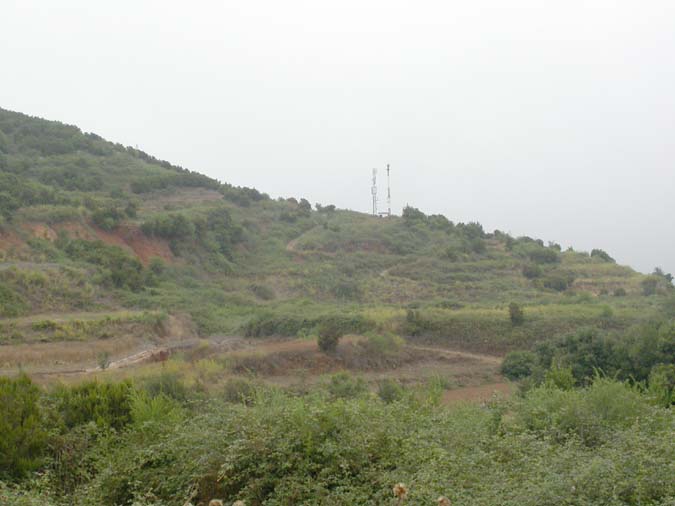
589, 415
119, 268
557, 281
381, 344
24, 437
602, 255
662, 383
166, 384
538, 253
108, 405
518, 364
532, 271
329, 333
103, 360
237, 390
11, 303
412, 215
344, 386
107, 218
516, 314
169, 226
649, 285
389, 390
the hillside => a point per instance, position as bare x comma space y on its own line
101, 242
167, 339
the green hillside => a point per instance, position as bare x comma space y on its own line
92, 226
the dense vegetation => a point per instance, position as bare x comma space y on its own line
102, 444
107, 246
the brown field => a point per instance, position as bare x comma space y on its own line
288, 363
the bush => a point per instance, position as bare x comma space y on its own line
389, 390
11, 303
516, 314
557, 281
329, 335
344, 386
166, 383
518, 364
532, 271
382, 344
23, 435
662, 384
602, 255
620, 292
107, 218
108, 405
541, 255
237, 390
649, 285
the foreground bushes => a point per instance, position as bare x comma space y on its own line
605, 444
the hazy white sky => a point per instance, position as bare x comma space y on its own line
551, 119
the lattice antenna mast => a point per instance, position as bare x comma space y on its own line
373, 191
388, 193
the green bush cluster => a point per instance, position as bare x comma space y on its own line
603, 444
631, 355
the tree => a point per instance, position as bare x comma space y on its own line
602, 255
516, 314
518, 364
413, 215
329, 336
660, 273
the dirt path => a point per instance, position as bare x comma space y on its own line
491, 359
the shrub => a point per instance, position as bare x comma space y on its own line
105, 404
389, 390
532, 271
238, 390
344, 386
518, 364
620, 292
166, 383
557, 281
382, 344
602, 255
107, 218
23, 436
541, 255
662, 384
11, 303
103, 360
649, 285
516, 314
329, 336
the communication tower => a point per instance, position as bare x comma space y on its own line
373, 191
388, 193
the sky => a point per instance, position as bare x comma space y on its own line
549, 119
